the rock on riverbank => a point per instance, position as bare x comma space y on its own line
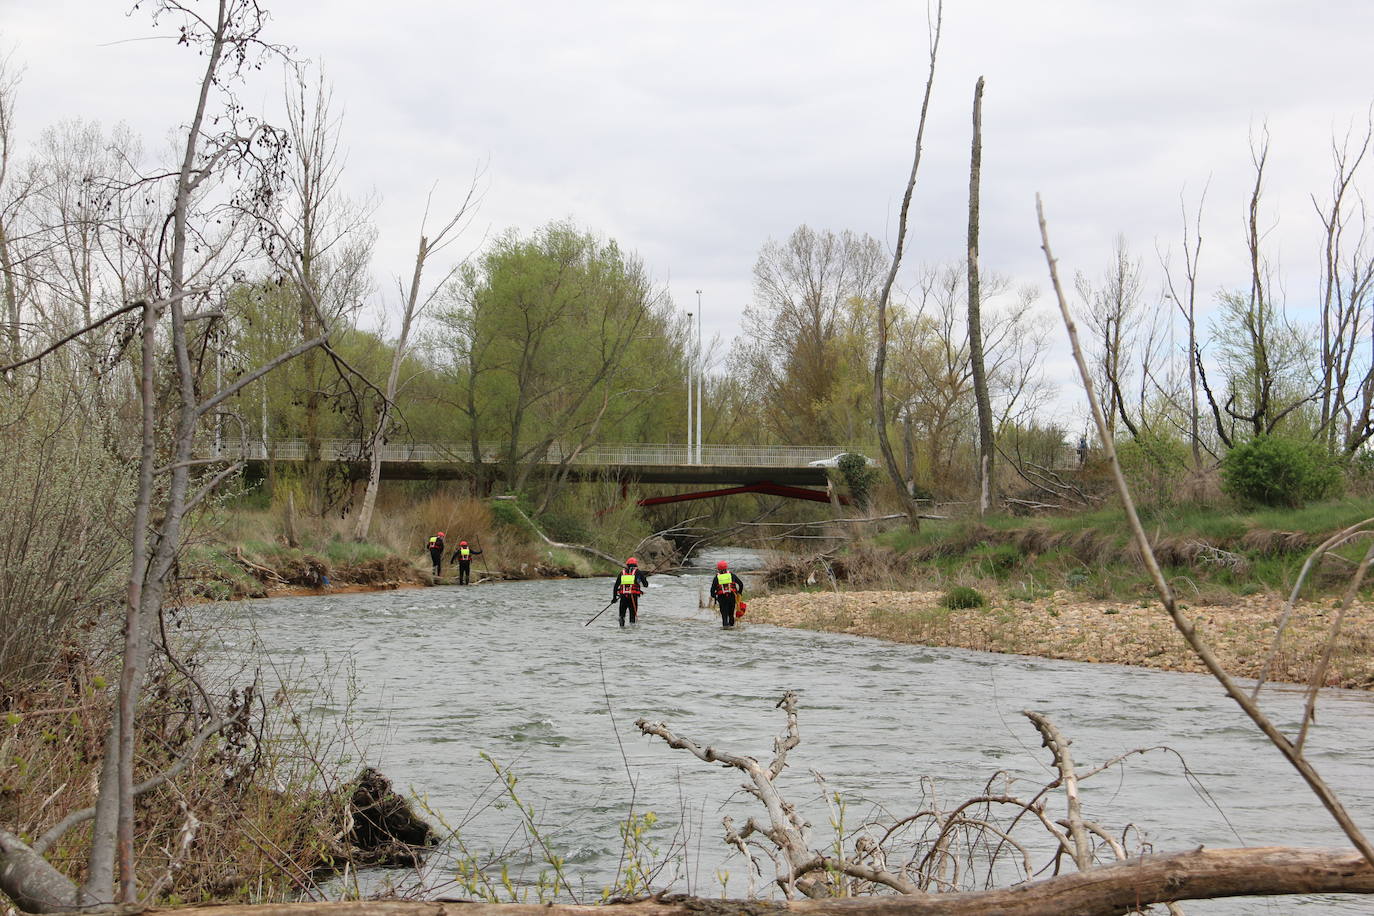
1065, 625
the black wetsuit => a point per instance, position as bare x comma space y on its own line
464, 565
629, 591
436, 553
725, 595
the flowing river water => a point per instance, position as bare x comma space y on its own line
434, 678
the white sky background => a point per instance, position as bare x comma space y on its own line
694, 132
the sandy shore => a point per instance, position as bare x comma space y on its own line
1067, 626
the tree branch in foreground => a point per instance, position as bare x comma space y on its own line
1186, 627
1103, 891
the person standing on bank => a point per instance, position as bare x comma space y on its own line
726, 587
629, 585
463, 557
436, 552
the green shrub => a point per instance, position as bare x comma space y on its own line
565, 526
1279, 471
1154, 464
506, 512
1153, 453
858, 475
997, 559
961, 597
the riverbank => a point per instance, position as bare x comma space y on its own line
1067, 625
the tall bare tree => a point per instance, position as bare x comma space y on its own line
330, 246
415, 302
1185, 300
10, 286
880, 358
804, 292
1347, 282
1262, 356
986, 444
204, 238
1112, 311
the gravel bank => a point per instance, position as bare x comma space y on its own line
1065, 625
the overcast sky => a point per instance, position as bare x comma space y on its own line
694, 132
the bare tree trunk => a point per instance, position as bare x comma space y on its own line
374, 470
894, 472
414, 307
8, 287
986, 444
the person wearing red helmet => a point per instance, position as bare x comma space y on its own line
436, 552
726, 588
463, 557
628, 586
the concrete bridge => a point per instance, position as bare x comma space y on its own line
782, 467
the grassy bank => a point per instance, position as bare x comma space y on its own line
1208, 553
246, 550
1074, 588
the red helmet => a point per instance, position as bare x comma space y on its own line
631, 562
441, 534
721, 564
462, 543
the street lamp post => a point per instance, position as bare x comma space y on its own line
701, 373
689, 392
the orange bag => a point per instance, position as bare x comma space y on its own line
739, 611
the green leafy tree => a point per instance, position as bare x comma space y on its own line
558, 340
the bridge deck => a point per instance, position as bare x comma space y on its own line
648, 463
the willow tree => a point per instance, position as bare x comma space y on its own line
555, 337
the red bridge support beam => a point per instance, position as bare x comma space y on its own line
763, 486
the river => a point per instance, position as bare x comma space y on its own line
440, 676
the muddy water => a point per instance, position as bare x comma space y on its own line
440, 676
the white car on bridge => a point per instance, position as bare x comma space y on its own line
834, 461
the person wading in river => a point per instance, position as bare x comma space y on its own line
629, 585
436, 552
725, 589
463, 557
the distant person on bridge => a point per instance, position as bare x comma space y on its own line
629, 585
726, 587
436, 552
463, 557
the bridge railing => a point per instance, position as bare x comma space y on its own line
782, 456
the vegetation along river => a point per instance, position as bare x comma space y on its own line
441, 675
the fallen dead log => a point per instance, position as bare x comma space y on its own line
1101, 891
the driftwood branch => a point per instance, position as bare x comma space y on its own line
786, 828
552, 543
1068, 778
1110, 889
